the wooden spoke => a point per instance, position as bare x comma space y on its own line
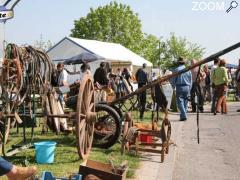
85, 117
91, 106
82, 123
83, 108
82, 138
82, 115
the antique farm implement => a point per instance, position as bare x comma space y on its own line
26, 85
127, 103
131, 134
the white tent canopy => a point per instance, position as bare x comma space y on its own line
112, 52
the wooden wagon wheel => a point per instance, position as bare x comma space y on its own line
168, 130
125, 144
128, 123
11, 81
166, 135
86, 116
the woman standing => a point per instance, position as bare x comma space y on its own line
220, 79
127, 75
207, 94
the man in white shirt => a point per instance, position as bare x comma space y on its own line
63, 85
62, 78
62, 81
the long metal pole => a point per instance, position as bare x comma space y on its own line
165, 78
6, 3
14, 4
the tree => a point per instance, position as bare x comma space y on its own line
179, 46
111, 23
150, 48
119, 24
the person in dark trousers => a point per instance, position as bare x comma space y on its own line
214, 96
100, 75
196, 90
207, 94
142, 79
15, 172
183, 84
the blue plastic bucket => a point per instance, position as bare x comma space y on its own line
45, 152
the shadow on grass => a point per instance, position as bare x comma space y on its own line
22, 160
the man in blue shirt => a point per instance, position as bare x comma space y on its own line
183, 85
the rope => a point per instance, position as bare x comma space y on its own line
26, 71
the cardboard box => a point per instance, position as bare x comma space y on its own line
101, 170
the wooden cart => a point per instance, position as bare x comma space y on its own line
26, 75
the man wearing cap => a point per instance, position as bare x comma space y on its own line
183, 85
142, 80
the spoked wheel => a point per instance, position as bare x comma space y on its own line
107, 127
166, 135
125, 144
86, 117
5, 124
11, 84
167, 129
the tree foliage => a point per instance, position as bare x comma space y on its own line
150, 48
179, 46
111, 23
119, 24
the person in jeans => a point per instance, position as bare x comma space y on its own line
15, 172
183, 85
142, 80
62, 81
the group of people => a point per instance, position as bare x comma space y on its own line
202, 84
119, 82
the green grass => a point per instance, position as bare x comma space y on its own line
67, 161
231, 98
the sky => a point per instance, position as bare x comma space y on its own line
201, 21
